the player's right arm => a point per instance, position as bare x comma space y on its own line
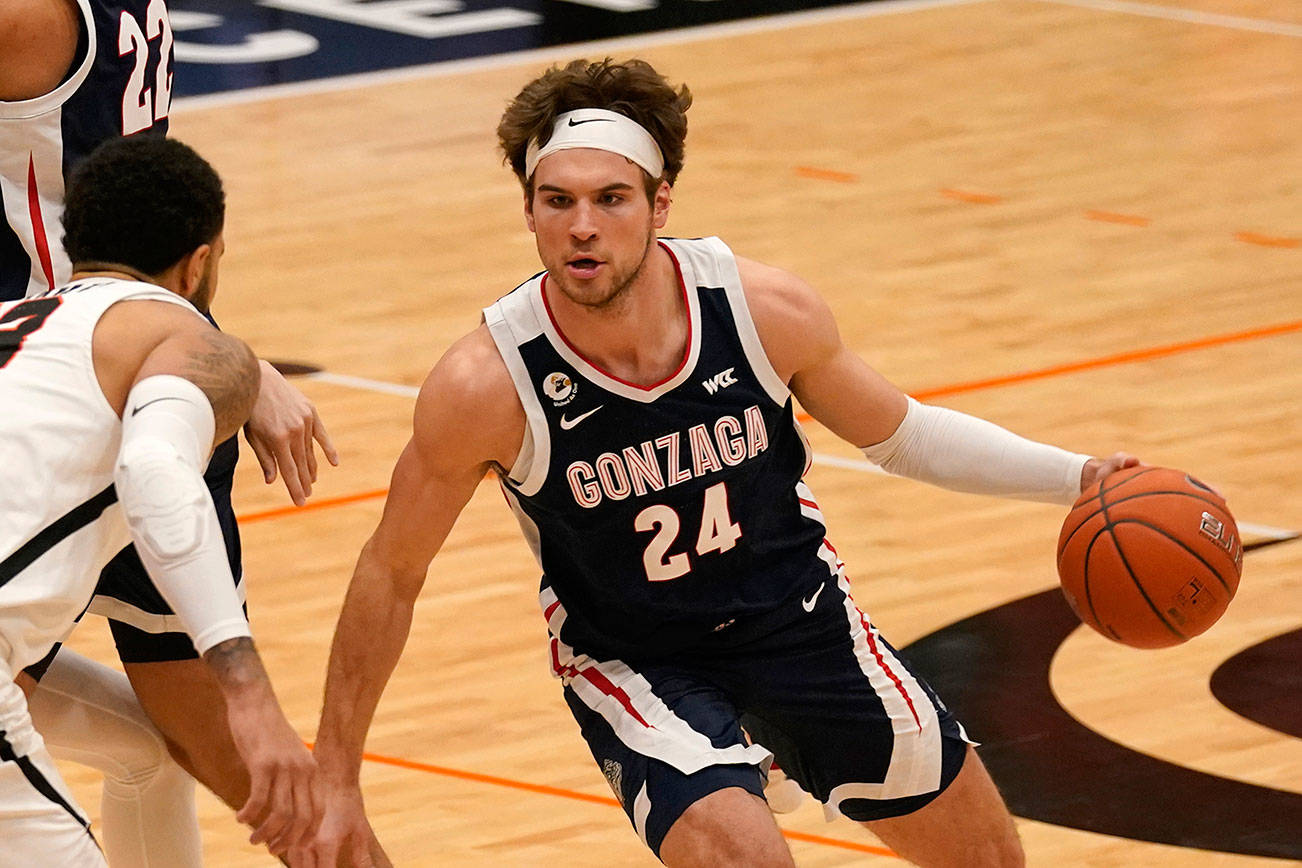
38, 41
181, 386
468, 419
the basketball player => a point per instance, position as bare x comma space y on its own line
636, 401
113, 391
76, 73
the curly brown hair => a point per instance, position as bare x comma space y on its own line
632, 88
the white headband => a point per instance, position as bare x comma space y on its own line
604, 131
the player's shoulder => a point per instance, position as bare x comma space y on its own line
38, 40
792, 319
470, 389
471, 370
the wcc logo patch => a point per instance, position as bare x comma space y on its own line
721, 380
560, 388
615, 777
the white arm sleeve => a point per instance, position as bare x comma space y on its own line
167, 434
964, 453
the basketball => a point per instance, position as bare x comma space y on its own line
1149, 558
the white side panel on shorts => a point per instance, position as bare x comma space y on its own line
35, 829
641, 810
915, 765
640, 719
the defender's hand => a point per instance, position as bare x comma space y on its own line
344, 836
281, 429
285, 803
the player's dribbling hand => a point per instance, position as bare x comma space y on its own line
281, 430
1098, 469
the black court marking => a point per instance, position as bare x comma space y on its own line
294, 369
1263, 683
227, 45
992, 669
55, 532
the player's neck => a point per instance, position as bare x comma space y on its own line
640, 339
117, 271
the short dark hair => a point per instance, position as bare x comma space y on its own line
633, 88
142, 201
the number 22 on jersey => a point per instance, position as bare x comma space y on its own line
142, 106
719, 533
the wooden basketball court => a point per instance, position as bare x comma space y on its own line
1079, 219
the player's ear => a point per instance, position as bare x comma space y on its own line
192, 269
528, 211
660, 205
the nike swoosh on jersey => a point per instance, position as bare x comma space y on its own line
567, 424
812, 600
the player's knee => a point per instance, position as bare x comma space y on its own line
727, 829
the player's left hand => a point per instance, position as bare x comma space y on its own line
281, 430
1098, 469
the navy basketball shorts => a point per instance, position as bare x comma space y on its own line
144, 627
814, 687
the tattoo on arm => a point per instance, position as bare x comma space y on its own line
235, 663
227, 372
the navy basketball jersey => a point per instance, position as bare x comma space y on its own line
660, 514
120, 85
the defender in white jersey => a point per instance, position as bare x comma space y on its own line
112, 390
636, 401
76, 73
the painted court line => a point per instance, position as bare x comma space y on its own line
543, 789
1128, 357
972, 197
832, 460
364, 383
1191, 16
1141, 355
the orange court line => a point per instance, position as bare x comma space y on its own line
1267, 240
249, 518
825, 174
1117, 359
1103, 362
968, 196
1113, 217
921, 395
545, 790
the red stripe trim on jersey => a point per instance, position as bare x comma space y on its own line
872, 646
597, 680
547, 613
808, 503
38, 225
602, 683
687, 350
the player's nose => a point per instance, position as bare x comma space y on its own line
583, 223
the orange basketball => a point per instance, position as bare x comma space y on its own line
1151, 558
